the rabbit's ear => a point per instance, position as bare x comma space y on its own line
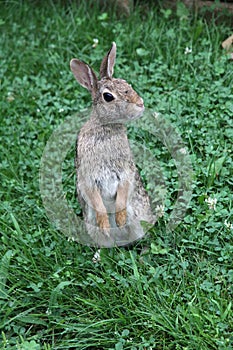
84, 75
107, 65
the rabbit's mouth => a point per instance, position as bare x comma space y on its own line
140, 105
135, 111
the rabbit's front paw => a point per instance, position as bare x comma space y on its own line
121, 217
103, 222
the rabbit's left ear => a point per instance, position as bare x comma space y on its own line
107, 65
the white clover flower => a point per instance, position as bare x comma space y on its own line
187, 50
70, 239
48, 311
183, 151
211, 203
95, 42
160, 210
96, 258
10, 97
61, 110
228, 225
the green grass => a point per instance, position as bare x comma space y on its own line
178, 294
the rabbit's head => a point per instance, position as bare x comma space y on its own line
114, 100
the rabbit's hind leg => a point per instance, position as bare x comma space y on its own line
95, 201
121, 203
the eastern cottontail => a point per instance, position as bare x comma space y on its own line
109, 187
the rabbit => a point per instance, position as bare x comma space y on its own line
109, 188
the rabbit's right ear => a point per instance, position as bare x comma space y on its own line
107, 65
84, 74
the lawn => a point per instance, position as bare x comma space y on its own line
172, 290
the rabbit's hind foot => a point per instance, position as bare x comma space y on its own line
121, 217
103, 223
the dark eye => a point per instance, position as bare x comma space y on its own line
108, 97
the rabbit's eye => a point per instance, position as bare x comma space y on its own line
108, 97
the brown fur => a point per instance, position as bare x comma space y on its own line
108, 184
